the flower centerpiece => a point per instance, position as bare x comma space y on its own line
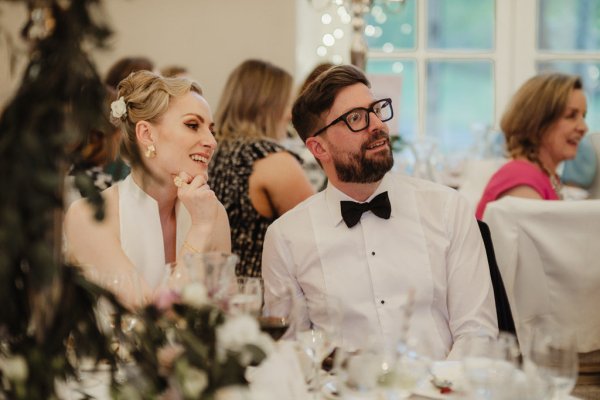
184, 346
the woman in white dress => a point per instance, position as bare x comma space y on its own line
164, 208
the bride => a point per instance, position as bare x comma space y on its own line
164, 208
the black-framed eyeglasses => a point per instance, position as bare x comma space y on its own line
357, 119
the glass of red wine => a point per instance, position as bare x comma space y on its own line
276, 327
276, 320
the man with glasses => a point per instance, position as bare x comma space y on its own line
391, 250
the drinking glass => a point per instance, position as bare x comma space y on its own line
319, 341
176, 277
490, 366
277, 319
248, 298
216, 271
127, 286
553, 350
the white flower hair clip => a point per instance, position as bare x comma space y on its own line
118, 108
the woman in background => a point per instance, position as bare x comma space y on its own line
164, 208
543, 125
90, 156
254, 177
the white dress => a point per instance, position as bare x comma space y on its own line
141, 231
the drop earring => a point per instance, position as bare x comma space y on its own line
150, 151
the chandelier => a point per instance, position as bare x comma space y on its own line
356, 16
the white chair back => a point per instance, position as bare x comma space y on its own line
594, 189
548, 253
476, 175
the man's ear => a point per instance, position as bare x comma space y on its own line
143, 133
318, 148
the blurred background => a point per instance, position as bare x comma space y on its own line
455, 63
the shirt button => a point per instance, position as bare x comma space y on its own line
372, 253
382, 301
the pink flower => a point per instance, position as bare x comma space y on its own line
165, 298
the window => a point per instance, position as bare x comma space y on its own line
460, 61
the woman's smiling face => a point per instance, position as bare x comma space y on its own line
184, 139
562, 138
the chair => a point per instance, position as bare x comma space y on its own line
503, 312
594, 189
476, 175
548, 253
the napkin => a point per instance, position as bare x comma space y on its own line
279, 376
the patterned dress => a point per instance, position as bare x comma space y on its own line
229, 175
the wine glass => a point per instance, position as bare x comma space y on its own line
216, 271
277, 319
249, 297
553, 350
176, 277
319, 340
490, 365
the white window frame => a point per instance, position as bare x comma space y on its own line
514, 55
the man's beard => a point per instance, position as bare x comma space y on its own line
357, 168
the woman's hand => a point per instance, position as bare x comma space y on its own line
198, 198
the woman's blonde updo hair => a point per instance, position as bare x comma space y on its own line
253, 101
147, 97
533, 109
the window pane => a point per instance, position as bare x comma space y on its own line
460, 102
391, 27
461, 24
590, 73
569, 25
405, 102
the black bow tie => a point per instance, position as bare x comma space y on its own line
352, 211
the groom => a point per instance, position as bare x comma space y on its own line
372, 236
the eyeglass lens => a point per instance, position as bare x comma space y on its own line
358, 119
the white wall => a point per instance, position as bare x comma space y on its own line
209, 37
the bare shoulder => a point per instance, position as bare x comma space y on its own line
522, 191
275, 164
81, 212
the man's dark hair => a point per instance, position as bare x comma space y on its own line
318, 97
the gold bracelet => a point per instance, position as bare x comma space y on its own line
190, 247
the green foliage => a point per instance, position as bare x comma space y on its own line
190, 334
47, 307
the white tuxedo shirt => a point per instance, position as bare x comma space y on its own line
431, 244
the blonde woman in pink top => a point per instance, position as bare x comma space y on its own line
543, 125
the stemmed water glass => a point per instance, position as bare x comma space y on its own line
216, 271
126, 285
553, 350
319, 341
248, 298
490, 366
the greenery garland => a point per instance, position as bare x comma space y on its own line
47, 307
184, 345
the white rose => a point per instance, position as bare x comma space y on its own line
14, 368
118, 107
194, 382
241, 330
195, 294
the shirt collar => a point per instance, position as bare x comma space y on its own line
333, 196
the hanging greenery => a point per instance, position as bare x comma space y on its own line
47, 307
50, 318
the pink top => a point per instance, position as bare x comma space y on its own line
512, 174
